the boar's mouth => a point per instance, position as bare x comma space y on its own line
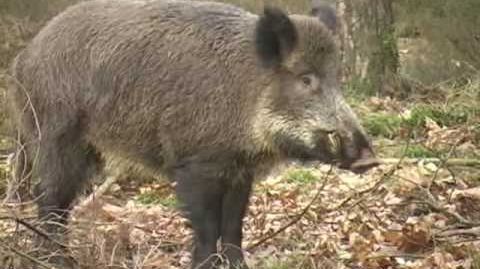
354, 154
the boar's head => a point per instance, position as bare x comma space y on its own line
302, 112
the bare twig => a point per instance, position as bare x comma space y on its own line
297, 218
20, 143
29, 103
432, 202
475, 231
361, 193
28, 257
463, 241
396, 255
443, 164
35, 230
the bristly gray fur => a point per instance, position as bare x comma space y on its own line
180, 88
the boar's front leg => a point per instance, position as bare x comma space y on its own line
235, 203
200, 191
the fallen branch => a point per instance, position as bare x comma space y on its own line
475, 231
395, 255
453, 161
472, 193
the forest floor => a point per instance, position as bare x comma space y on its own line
421, 209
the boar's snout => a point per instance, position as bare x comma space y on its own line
356, 153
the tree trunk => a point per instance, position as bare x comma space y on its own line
345, 39
384, 61
368, 45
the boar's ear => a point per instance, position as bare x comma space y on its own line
326, 14
276, 37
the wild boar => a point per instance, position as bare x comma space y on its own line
204, 93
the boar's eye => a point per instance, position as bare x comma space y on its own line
307, 80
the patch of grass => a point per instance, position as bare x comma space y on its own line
358, 89
476, 133
474, 254
476, 260
300, 176
148, 198
381, 124
460, 106
419, 115
388, 125
444, 116
3, 178
153, 198
419, 151
4, 169
279, 265
291, 262
170, 202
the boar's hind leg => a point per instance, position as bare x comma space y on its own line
200, 191
65, 162
235, 204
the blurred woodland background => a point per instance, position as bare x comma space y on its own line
410, 69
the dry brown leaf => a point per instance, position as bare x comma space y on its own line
416, 237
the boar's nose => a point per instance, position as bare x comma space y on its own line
357, 154
365, 162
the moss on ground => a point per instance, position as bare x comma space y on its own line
153, 197
300, 176
382, 125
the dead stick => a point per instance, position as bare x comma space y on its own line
453, 161
475, 231
395, 255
